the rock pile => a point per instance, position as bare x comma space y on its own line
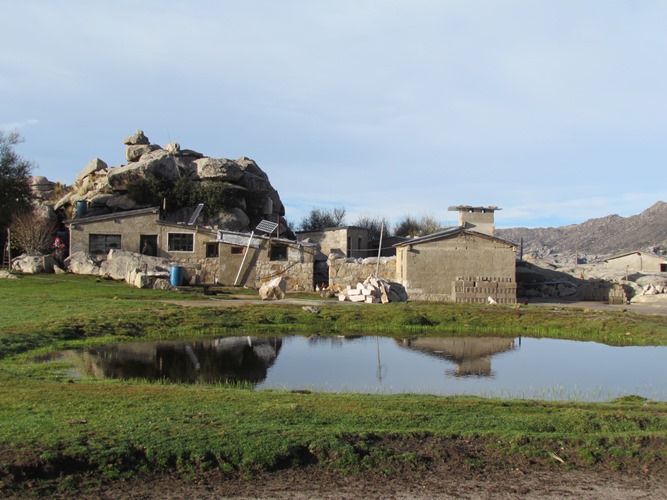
374, 291
141, 271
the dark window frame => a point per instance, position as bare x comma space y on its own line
212, 249
181, 242
278, 252
99, 244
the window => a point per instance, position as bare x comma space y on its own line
278, 252
181, 242
102, 243
212, 249
238, 250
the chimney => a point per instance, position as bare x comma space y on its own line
479, 219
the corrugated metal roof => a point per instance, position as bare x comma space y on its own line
114, 215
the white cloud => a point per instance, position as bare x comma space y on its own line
406, 106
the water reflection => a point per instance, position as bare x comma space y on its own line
487, 366
472, 355
232, 359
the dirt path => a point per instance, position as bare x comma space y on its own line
639, 308
442, 483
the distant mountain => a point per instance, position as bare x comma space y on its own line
603, 237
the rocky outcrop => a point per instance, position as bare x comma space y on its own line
248, 194
595, 239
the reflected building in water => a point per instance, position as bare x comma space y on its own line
230, 359
472, 355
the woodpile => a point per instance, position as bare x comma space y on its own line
374, 291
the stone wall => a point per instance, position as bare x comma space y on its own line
298, 276
604, 291
345, 271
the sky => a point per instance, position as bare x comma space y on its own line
553, 110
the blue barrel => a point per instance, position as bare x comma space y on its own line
176, 276
81, 208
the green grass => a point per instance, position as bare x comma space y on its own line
116, 427
53, 428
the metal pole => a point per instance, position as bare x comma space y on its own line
9, 248
377, 265
244, 257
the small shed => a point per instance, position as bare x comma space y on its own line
638, 261
350, 240
458, 265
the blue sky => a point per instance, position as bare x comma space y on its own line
555, 111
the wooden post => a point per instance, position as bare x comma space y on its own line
247, 249
377, 266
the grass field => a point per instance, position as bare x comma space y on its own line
56, 431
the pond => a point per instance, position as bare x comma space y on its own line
518, 367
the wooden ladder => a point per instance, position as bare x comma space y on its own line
6, 254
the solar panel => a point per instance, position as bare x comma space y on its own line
266, 226
195, 214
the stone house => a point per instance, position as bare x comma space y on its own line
638, 261
459, 264
207, 255
349, 240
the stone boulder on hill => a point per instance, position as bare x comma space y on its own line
248, 194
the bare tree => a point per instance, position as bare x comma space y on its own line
321, 218
411, 226
31, 232
373, 225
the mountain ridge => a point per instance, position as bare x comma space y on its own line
596, 238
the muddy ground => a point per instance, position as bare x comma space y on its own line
443, 468
439, 483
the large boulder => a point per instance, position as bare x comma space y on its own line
82, 263
28, 264
137, 138
135, 151
157, 163
120, 265
274, 289
233, 220
218, 169
94, 166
